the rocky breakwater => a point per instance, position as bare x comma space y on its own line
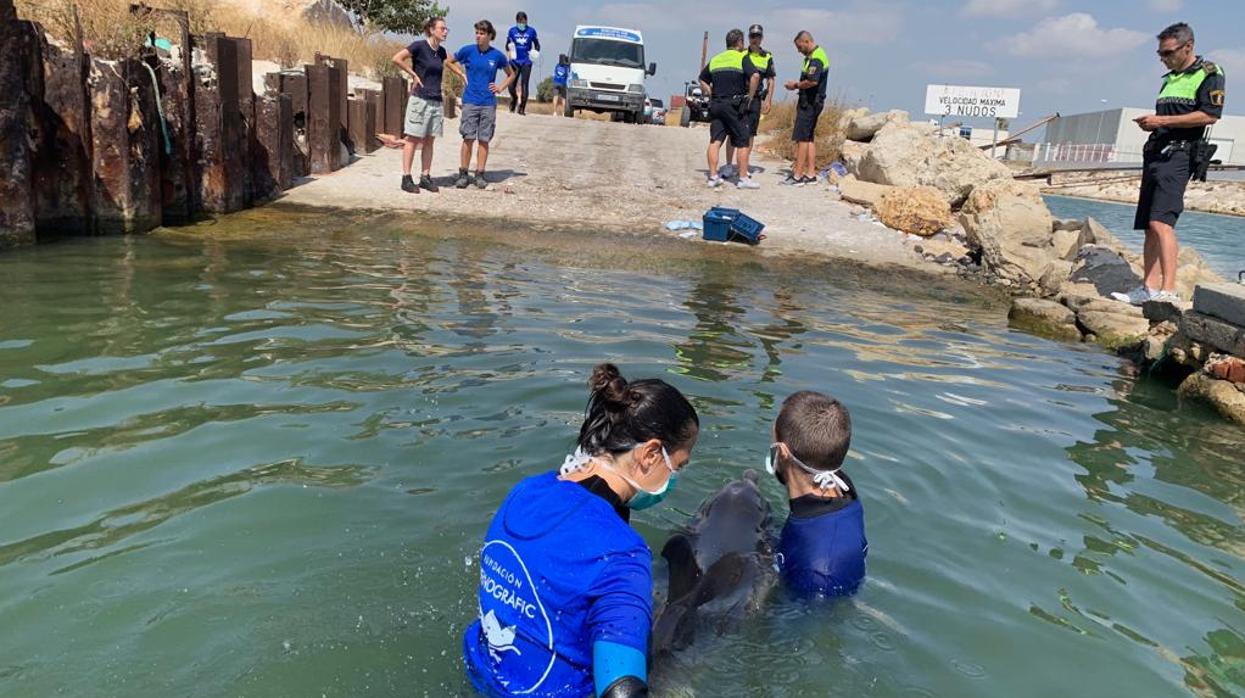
965, 211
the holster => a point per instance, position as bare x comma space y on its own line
1200, 158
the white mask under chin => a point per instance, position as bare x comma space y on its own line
574, 462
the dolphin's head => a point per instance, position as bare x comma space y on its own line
734, 519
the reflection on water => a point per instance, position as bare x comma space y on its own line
259, 463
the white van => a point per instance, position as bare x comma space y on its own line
607, 72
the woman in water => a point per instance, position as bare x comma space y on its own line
565, 583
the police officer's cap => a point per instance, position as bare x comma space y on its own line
756, 30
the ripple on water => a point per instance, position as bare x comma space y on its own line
275, 455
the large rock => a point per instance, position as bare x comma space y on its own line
1106, 269
863, 127
852, 154
1044, 317
1008, 221
1226, 397
863, 193
1113, 330
907, 155
917, 210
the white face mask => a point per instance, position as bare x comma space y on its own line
644, 497
825, 479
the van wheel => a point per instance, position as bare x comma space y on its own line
567, 110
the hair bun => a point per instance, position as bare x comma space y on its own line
608, 384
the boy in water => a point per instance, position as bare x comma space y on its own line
822, 549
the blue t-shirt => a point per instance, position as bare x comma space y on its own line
481, 68
559, 571
560, 73
824, 555
523, 42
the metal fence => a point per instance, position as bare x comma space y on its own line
1076, 154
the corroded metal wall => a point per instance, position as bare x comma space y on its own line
125, 159
17, 215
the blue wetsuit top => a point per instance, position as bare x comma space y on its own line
523, 41
822, 549
564, 582
560, 73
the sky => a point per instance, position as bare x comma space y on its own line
1066, 56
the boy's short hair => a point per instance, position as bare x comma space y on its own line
816, 427
487, 27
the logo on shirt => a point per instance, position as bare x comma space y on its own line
1216, 97
508, 594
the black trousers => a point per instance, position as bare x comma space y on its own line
524, 77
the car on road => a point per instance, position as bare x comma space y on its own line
657, 114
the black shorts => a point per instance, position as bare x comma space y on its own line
729, 120
560, 90
754, 117
1163, 181
806, 121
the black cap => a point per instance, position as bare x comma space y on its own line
756, 30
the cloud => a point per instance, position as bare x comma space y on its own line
956, 69
1007, 8
1057, 86
1166, 5
1232, 60
1075, 35
872, 23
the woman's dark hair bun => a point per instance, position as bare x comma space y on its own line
608, 385
621, 414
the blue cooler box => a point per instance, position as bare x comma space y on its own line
725, 224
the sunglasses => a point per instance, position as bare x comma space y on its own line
1171, 51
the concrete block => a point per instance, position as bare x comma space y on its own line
1211, 331
17, 213
1224, 301
124, 147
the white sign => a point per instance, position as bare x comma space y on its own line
961, 101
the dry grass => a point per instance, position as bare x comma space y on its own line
112, 32
829, 135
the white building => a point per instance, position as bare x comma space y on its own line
1111, 136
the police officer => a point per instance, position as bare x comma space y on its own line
812, 91
1190, 100
731, 80
763, 61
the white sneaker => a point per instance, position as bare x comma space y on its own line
1137, 296
1165, 297
714, 182
747, 183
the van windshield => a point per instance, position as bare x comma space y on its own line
606, 52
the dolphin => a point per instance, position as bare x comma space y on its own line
721, 566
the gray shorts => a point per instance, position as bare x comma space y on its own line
423, 118
477, 122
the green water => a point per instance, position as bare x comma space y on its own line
257, 459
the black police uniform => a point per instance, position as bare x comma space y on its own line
728, 74
1167, 153
754, 114
812, 99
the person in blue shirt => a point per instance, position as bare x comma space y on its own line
566, 588
478, 120
561, 75
822, 548
524, 46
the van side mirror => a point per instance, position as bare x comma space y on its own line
652, 68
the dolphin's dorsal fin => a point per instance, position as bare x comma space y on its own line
684, 571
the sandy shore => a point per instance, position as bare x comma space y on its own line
582, 174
